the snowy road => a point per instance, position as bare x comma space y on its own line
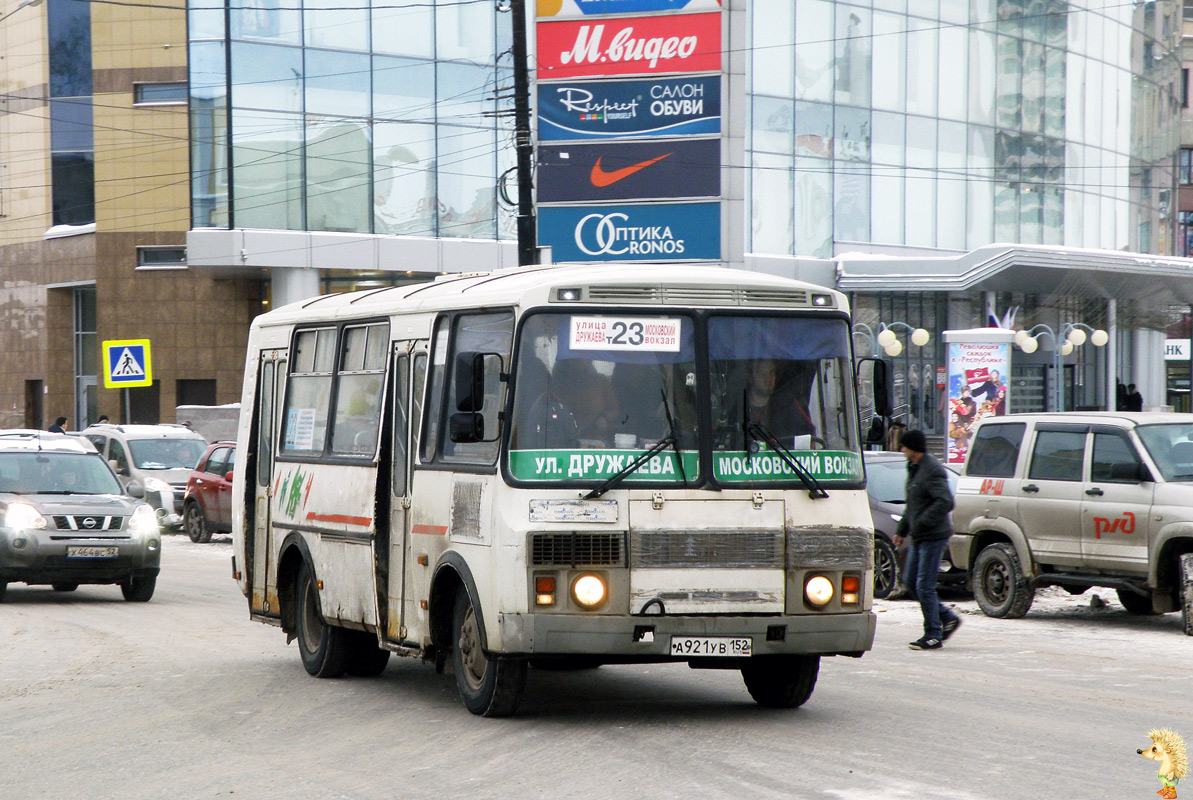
184, 698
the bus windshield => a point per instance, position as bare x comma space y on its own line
594, 391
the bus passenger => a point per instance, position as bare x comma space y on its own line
781, 413
590, 398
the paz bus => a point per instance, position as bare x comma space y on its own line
558, 467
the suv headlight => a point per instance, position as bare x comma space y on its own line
143, 520
156, 485
22, 516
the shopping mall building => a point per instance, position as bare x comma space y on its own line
938, 160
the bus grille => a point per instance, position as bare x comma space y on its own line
574, 549
711, 548
699, 296
829, 547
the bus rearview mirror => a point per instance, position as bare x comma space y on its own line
874, 381
466, 427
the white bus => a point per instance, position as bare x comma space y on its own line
559, 467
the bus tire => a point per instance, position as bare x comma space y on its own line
489, 687
781, 681
364, 659
322, 647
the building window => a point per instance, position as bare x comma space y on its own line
72, 147
156, 94
155, 257
1186, 166
1184, 88
194, 392
86, 358
1185, 235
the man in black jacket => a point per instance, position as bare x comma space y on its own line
926, 521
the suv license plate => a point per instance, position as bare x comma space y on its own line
716, 646
76, 551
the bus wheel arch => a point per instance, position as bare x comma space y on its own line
451, 573
291, 556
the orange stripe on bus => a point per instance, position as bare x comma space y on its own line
342, 518
433, 530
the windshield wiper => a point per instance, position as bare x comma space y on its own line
670, 440
632, 467
759, 433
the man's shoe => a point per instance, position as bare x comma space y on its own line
949, 626
925, 643
900, 593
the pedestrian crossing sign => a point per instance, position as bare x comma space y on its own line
127, 363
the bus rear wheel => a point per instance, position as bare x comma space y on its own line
323, 647
781, 681
490, 687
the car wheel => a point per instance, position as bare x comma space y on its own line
999, 585
195, 523
138, 590
323, 647
1186, 568
781, 681
490, 687
364, 659
64, 587
886, 568
1136, 603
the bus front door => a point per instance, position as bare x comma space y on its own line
409, 375
271, 377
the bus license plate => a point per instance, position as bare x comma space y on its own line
715, 646
79, 551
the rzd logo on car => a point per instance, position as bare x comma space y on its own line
1123, 524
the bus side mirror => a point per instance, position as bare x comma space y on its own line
874, 381
467, 427
469, 379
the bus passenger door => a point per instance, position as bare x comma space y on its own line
408, 375
271, 378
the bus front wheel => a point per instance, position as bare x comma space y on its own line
490, 687
781, 681
323, 647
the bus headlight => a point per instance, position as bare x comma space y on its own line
23, 517
818, 591
589, 591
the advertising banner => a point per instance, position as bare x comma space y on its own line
563, 9
629, 170
662, 232
636, 45
977, 388
638, 108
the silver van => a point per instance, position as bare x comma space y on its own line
154, 461
65, 520
1079, 500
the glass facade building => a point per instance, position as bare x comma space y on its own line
952, 124
367, 120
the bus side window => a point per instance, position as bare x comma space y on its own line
431, 424
401, 426
480, 333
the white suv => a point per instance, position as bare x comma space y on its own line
1079, 500
153, 461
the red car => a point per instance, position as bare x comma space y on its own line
207, 506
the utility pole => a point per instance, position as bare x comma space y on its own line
527, 230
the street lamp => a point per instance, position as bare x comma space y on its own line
22, 4
1071, 335
886, 338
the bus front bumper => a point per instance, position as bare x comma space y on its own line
648, 638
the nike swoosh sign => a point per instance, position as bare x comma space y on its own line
601, 178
